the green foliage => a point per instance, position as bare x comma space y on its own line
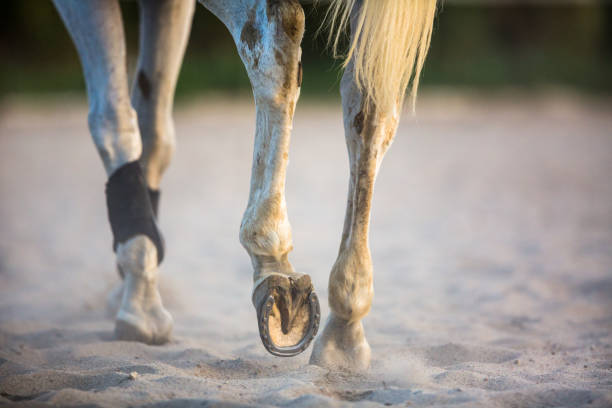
480, 47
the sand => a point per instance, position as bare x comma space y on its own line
491, 240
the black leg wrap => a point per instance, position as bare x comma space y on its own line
154, 197
129, 207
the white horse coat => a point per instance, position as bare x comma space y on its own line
389, 41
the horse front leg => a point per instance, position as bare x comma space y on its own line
268, 36
164, 31
368, 132
97, 31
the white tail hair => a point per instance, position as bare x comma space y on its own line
390, 40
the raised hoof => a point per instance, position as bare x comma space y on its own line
341, 346
288, 314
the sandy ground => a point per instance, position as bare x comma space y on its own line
491, 240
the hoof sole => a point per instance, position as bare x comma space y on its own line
287, 308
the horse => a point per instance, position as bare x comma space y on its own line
135, 138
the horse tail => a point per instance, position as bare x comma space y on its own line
390, 40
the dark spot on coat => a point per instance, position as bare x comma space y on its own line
250, 35
358, 122
299, 74
144, 85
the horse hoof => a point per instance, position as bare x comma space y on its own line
288, 314
341, 346
152, 329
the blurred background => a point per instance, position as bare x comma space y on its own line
477, 44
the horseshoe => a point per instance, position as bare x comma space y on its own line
264, 331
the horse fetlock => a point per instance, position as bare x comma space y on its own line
265, 233
138, 257
273, 241
351, 285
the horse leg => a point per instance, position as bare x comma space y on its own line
164, 31
268, 36
97, 31
162, 46
368, 132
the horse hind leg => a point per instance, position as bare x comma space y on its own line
97, 31
342, 344
268, 36
164, 31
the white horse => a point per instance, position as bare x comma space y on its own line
135, 139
